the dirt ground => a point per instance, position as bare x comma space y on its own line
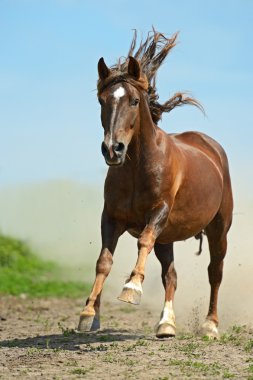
38, 342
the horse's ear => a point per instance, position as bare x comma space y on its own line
103, 70
134, 68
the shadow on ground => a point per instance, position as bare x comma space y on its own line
72, 341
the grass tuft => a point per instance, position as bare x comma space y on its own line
249, 345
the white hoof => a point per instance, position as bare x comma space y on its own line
165, 330
209, 329
166, 327
131, 293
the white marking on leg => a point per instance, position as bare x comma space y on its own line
132, 285
119, 93
168, 315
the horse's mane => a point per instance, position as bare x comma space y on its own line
150, 54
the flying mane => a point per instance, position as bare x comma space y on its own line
150, 54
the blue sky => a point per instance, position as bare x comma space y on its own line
49, 116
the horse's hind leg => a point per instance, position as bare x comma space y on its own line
166, 326
216, 233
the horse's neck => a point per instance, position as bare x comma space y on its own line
147, 131
143, 147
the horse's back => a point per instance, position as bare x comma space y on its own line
198, 141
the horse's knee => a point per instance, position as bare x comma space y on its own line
146, 239
104, 263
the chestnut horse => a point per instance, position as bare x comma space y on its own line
160, 187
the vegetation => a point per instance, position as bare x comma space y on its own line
22, 272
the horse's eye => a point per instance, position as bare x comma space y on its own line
134, 102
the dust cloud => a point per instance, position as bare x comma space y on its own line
61, 221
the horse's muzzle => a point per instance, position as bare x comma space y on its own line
114, 154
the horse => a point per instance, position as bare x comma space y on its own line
161, 188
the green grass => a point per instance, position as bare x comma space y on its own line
22, 272
80, 371
184, 365
249, 345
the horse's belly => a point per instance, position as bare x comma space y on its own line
180, 226
183, 223
172, 233
189, 221
180, 232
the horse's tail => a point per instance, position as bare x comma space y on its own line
199, 237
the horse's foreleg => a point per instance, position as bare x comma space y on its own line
132, 289
111, 230
166, 326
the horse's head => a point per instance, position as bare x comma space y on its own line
122, 91
119, 111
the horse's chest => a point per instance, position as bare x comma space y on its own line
127, 203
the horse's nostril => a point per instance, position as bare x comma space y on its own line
104, 148
113, 151
118, 147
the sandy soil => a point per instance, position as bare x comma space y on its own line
37, 342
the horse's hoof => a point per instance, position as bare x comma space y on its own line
209, 329
165, 330
131, 293
88, 323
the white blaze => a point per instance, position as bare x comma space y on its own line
119, 93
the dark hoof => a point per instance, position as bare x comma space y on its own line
88, 323
165, 330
